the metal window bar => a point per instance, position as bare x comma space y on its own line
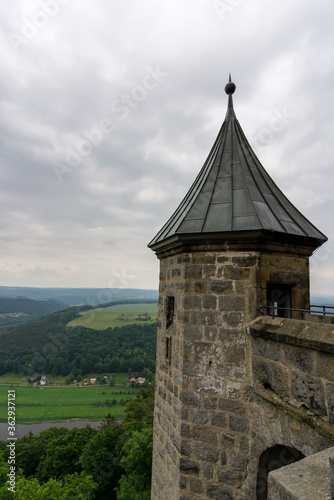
273, 308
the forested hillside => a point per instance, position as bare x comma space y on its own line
113, 462
48, 345
14, 311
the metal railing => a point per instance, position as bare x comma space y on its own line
272, 310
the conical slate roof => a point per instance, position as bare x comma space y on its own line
233, 196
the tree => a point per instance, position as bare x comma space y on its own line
140, 410
78, 486
61, 450
101, 458
137, 462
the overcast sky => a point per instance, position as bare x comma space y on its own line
108, 109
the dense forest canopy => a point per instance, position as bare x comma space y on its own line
48, 345
112, 462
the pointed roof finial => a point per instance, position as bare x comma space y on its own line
230, 86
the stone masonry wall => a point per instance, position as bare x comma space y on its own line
202, 389
212, 422
293, 388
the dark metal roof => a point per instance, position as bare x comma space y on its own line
233, 193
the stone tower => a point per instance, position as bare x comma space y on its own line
234, 249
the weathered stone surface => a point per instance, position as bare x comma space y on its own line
235, 273
210, 402
325, 365
219, 286
209, 302
267, 349
188, 398
329, 390
218, 492
192, 302
219, 419
232, 303
302, 358
238, 424
232, 406
189, 467
193, 272
308, 479
206, 453
204, 434
207, 438
198, 416
196, 485
310, 391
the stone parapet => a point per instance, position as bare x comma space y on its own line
308, 479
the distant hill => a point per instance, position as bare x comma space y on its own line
15, 311
78, 296
48, 345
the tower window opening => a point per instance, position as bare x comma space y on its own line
168, 352
279, 300
170, 311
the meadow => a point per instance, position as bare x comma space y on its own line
58, 404
116, 315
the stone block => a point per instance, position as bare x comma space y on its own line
237, 461
325, 365
231, 303
245, 261
227, 441
208, 472
310, 391
221, 286
223, 259
192, 302
191, 333
267, 348
176, 273
198, 416
186, 349
244, 444
329, 390
200, 287
196, 485
209, 302
182, 258
271, 375
218, 492
200, 258
236, 355
185, 431
205, 434
235, 273
209, 271
233, 319
238, 424
183, 317
219, 419
231, 406
185, 448
206, 453
210, 333
300, 357
206, 318
189, 467
188, 398
210, 402
193, 272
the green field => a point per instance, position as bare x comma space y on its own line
57, 404
117, 315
